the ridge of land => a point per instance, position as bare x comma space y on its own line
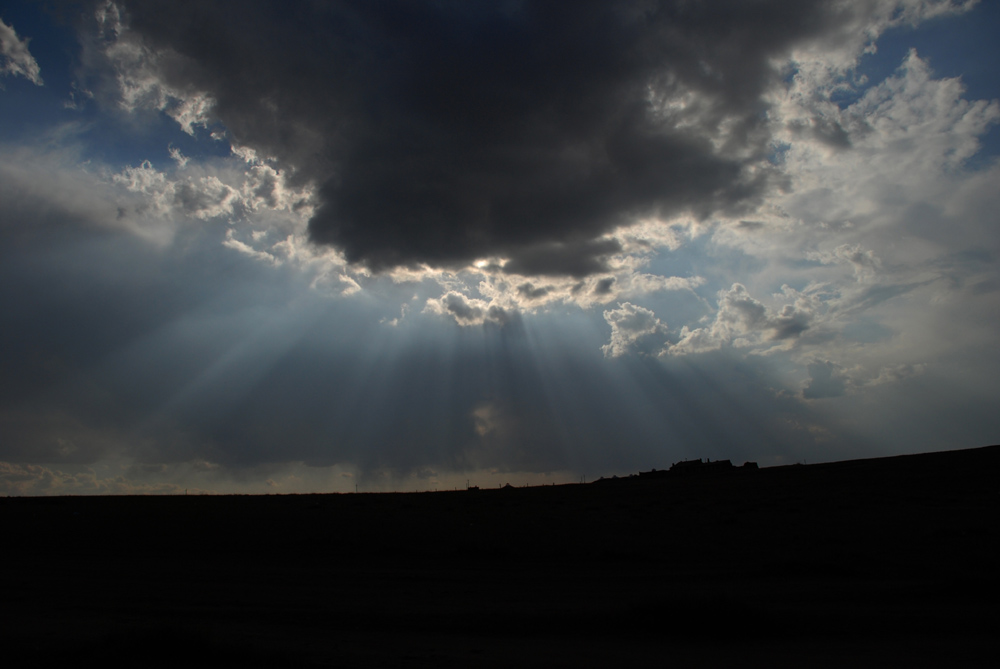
873, 561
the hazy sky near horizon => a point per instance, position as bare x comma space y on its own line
304, 247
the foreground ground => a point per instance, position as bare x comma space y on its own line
871, 563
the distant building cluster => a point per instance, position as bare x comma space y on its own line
687, 468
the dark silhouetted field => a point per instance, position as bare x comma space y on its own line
879, 562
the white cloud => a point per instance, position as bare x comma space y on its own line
246, 249
15, 59
648, 235
886, 234
903, 142
40, 189
259, 195
137, 71
630, 324
910, 136
745, 322
468, 311
829, 56
497, 295
201, 197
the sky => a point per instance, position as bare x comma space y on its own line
273, 247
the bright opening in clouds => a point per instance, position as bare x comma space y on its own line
401, 245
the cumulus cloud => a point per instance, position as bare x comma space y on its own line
630, 324
204, 191
468, 311
743, 321
15, 59
202, 197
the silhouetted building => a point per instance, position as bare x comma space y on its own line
690, 467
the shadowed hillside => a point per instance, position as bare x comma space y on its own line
889, 560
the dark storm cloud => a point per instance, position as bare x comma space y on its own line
574, 259
440, 132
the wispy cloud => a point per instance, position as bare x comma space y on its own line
15, 59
